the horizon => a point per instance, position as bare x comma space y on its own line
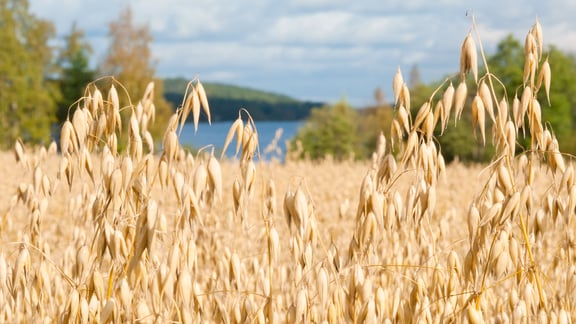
312, 50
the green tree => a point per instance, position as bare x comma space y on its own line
507, 64
27, 98
129, 60
75, 74
330, 130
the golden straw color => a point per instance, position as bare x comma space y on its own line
98, 234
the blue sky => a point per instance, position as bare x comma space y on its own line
313, 49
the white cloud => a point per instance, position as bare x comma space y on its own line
311, 48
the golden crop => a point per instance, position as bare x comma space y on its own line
92, 234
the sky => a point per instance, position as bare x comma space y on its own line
323, 50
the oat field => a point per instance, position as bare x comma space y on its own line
90, 233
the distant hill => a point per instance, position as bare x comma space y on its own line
226, 100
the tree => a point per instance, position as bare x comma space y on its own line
129, 60
330, 130
507, 64
27, 98
75, 72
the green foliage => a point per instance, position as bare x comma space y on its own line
341, 131
75, 72
27, 99
507, 65
330, 130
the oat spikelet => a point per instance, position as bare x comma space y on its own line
149, 141
537, 32
510, 132
486, 97
80, 123
517, 113
288, 206
478, 117
428, 126
529, 69
87, 163
108, 311
530, 46
114, 103
215, 176
195, 108
395, 132
512, 205
203, 100
301, 306
411, 147
237, 129
67, 137
535, 118
524, 102
405, 96
186, 109
397, 85
422, 114
97, 102
200, 179
557, 159
469, 58
460, 100
236, 194
474, 315
447, 102
504, 178
439, 114
300, 211
19, 152
403, 118
171, 146
149, 92
545, 77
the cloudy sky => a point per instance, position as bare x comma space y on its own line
313, 49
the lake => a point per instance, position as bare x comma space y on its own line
216, 134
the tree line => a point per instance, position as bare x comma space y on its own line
40, 83
229, 99
342, 132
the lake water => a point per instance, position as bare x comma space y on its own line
215, 134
